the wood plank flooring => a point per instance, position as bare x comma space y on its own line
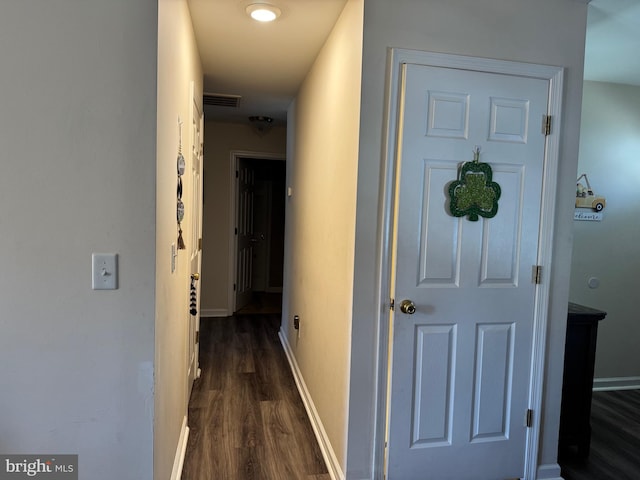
615, 440
246, 417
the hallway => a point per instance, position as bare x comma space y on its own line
246, 418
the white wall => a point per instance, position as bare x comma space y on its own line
546, 32
178, 66
320, 229
77, 130
220, 140
609, 250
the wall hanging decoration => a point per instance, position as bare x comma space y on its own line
589, 206
474, 193
585, 198
193, 297
180, 205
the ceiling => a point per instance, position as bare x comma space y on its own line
266, 63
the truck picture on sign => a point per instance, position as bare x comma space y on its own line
585, 198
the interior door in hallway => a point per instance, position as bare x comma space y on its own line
461, 364
246, 184
195, 238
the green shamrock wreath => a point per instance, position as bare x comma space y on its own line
475, 193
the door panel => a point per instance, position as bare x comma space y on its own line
245, 228
461, 365
262, 234
494, 368
501, 240
433, 374
439, 253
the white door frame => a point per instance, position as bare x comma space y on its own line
234, 158
396, 58
195, 242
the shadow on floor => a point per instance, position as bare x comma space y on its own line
263, 303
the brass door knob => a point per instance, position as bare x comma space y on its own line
408, 307
195, 276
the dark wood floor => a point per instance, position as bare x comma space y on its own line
262, 303
615, 440
246, 418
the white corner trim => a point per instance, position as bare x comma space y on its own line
550, 471
616, 383
181, 450
330, 459
214, 312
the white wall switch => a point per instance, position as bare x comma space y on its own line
104, 271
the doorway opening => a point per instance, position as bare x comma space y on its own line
258, 234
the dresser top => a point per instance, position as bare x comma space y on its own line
582, 312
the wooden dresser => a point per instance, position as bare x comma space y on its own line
577, 386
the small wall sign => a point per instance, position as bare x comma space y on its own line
587, 215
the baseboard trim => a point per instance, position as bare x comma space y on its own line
181, 450
330, 459
616, 383
550, 471
214, 312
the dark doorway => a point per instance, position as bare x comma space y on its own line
260, 238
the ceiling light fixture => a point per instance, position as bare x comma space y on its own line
263, 12
261, 124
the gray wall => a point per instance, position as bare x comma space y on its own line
77, 130
609, 250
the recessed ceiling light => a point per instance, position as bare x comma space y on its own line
263, 12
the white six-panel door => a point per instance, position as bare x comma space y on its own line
461, 365
195, 235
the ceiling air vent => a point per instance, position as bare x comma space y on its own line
221, 100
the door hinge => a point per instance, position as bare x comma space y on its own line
200, 243
237, 174
546, 125
197, 337
392, 304
529, 418
234, 287
536, 274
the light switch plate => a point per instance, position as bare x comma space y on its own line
104, 271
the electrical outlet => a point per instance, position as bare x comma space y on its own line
296, 322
